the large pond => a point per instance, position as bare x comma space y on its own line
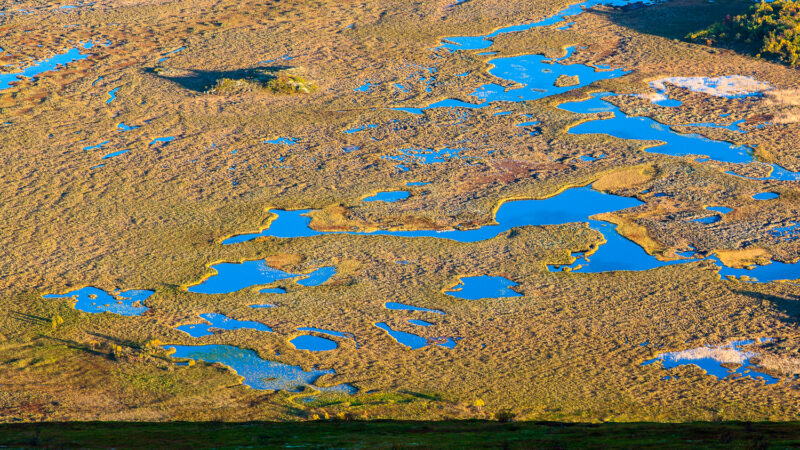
673, 143
232, 277
571, 205
537, 75
475, 288
485, 41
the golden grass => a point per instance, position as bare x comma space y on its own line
743, 257
635, 232
625, 178
566, 350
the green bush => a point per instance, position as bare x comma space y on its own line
770, 30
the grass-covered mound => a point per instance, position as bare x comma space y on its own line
288, 81
769, 30
272, 80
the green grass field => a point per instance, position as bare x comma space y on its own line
392, 434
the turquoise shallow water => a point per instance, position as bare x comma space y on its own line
258, 373
94, 300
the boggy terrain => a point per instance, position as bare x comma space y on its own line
171, 127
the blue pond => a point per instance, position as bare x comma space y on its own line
272, 291
361, 128
45, 65
124, 127
282, 141
708, 220
286, 224
318, 276
117, 153
166, 139
220, 322
365, 87
674, 143
167, 54
774, 271
412, 340
787, 233
329, 332
94, 300
483, 42
112, 95
96, 146
765, 196
668, 102
387, 196
313, 343
258, 373
475, 288
448, 103
425, 156
710, 359
418, 322
538, 75
617, 254
644, 128
586, 158
403, 307
572, 205
232, 277
719, 209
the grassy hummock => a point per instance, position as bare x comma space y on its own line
281, 82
